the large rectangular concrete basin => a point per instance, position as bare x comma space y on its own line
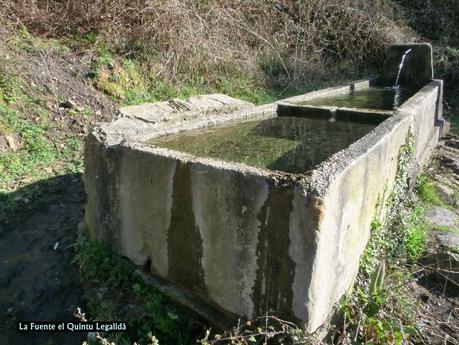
231, 240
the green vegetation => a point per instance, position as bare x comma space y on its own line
42, 150
132, 81
383, 312
441, 228
263, 330
380, 310
37, 44
123, 291
415, 232
427, 192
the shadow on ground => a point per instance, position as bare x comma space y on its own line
38, 226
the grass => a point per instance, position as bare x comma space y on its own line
45, 148
37, 44
129, 82
415, 232
427, 193
444, 228
381, 309
104, 272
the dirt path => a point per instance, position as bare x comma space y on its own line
37, 280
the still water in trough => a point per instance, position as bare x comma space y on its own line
289, 144
374, 97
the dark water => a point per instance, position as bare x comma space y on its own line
382, 98
289, 144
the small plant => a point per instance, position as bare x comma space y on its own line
9, 85
263, 330
427, 192
103, 270
414, 231
380, 311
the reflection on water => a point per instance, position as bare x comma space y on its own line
382, 98
290, 144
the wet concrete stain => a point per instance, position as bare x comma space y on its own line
184, 240
272, 292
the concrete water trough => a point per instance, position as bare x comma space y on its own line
238, 210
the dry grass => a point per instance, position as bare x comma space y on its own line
284, 42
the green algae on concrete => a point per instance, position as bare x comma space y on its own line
289, 144
381, 98
275, 270
184, 241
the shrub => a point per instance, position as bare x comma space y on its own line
205, 41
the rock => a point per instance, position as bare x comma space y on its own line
454, 143
3, 144
446, 193
439, 216
447, 240
8, 143
70, 104
12, 143
451, 163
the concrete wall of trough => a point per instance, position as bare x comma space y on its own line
249, 241
353, 182
231, 235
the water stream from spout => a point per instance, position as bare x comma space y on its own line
400, 67
333, 114
396, 87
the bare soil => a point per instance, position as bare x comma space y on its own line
38, 281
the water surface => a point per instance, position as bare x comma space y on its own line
289, 144
381, 98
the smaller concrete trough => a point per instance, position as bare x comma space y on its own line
239, 210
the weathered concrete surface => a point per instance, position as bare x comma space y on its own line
418, 66
287, 109
353, 182
244, 240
